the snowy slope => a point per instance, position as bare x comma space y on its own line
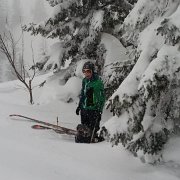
28, 154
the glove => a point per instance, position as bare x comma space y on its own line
78, 110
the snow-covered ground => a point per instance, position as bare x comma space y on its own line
28, 154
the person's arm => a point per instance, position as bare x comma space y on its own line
81, 98
100, 96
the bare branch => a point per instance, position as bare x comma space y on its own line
8, 48
33, 61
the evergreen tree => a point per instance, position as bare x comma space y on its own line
146, 104
114, 74
79, 23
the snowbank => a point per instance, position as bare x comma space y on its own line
55, 90
115, 50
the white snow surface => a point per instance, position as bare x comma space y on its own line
115, 50
96, 22
56, 55
28, 154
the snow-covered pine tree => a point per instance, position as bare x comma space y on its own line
78, 24
147, 103
114, 74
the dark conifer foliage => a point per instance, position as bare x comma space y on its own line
79, 24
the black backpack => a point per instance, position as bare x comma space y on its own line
83, 134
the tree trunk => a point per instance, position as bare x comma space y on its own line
30, 92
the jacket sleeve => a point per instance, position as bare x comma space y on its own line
100, 96
81, 98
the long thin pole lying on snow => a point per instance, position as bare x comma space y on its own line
60, 128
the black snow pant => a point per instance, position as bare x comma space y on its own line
90, 119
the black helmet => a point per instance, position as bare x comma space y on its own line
88, 65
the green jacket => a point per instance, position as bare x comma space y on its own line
92, 94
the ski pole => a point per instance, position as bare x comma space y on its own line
93, 130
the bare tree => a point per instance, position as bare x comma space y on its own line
8, 46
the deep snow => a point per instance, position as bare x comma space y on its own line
28, 154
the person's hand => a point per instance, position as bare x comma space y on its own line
78, 110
